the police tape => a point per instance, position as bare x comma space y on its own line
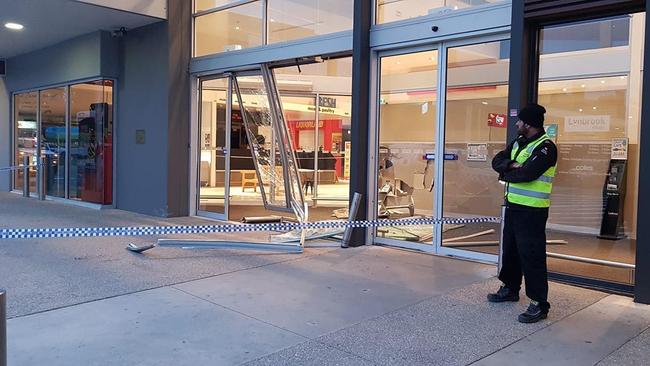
37, 233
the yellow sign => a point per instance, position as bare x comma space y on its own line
346, 163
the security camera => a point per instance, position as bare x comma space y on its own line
119, 33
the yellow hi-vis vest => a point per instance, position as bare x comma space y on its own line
536, 193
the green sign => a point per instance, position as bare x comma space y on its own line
551, 130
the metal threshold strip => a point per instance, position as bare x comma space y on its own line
590, 260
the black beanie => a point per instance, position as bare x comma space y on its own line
532, 115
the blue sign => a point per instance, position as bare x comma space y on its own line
551, 130
447, 156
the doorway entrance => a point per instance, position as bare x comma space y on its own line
441, 118
315, 104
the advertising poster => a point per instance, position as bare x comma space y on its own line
497, 120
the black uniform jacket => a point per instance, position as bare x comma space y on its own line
543, 157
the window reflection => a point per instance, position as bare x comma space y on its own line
395, 10
53, 139
25, 136
91, 142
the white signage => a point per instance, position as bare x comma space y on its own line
476, 152
619, 149
586, 123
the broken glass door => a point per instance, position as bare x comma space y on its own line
269, 141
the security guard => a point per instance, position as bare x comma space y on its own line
527, 165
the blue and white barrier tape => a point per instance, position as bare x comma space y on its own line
31, 233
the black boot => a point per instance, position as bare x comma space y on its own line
504, 294
533, 314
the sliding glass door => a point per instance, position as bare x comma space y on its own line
441, 118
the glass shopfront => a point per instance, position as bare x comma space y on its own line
456, 112
71, 128
320, 136
590, 83
25, 136
230, 25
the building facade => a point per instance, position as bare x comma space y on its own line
231, 109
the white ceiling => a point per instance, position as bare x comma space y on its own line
48, 22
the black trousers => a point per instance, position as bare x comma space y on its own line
524, 252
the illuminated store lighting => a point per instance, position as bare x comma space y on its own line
14, 26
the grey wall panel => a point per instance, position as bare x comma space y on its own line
110, 55
75, 59
142, 105
5, 135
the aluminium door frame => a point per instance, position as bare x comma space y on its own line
440, 146
373, 181
439, 140
197, 166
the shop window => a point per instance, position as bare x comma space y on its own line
76, 147
53, 137
407, 135
202, 5
321, 136
227, 25
90, 176
231, 29
591, 88
212, 141
296, 19
25, 136
475, 131
395, 10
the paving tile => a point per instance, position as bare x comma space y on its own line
156, 327
453, 329
310, 353
583, 338
635, 352
323, 293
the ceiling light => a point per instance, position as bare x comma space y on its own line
602, 81
580, 110
582, 86
484, 103
564, 89
14, 26
594, 107
237, 27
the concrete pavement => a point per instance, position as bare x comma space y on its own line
90, 302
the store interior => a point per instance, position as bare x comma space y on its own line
78, 147
320, 149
